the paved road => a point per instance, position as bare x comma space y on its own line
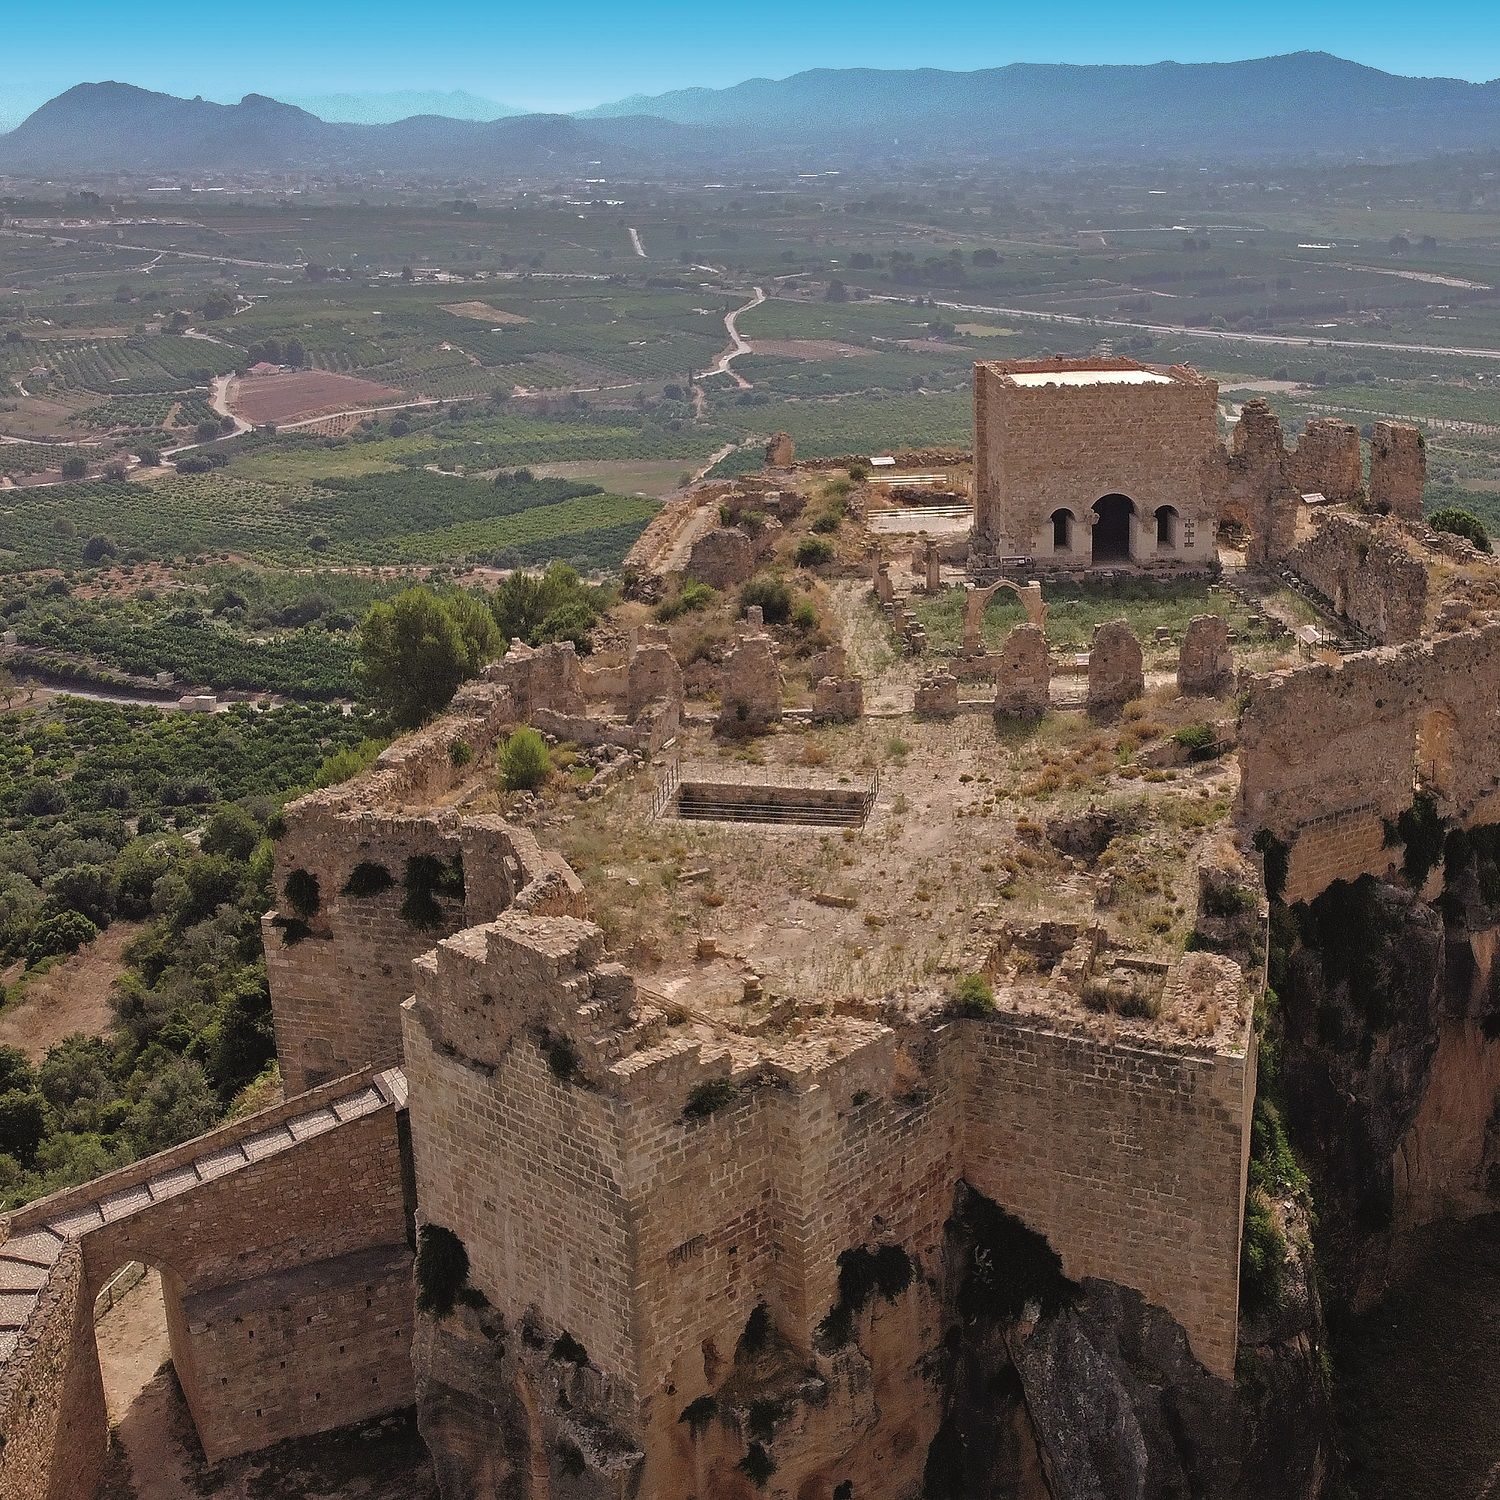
1288, 340
635, 241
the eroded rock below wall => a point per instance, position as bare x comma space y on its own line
1377, 992
1083, 1391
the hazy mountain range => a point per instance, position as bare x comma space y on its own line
1300, 105
401, 104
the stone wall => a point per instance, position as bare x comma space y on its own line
1367, 574
1131, 1160
1329, 753
283, 1243
51, 1397
558, 1131
1327, 461
1398, 469
1041, 449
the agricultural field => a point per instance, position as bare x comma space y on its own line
542, 351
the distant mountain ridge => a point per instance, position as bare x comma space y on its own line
1300, 103
116, 127
1305, 104
385, 108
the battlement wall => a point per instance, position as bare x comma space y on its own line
1331, 753
642, 1187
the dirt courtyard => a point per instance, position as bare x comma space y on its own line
154, 1452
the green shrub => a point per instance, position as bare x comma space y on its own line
1462, 523
813, 552
772, 595
1421, 832
1262, 1256
805, 616
442, 1269
1196, 737
460, 753
525, 763
827, 521
974, 995
62, 932
690, 598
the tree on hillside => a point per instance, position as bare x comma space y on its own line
415, 650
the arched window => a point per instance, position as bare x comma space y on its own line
1166, 526
1062, 531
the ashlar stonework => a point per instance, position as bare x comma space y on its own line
1023, 676
1205, 664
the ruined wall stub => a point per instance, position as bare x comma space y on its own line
1366, 572
1257, 493
1116, 667
723, 557
750, 686
1329, 753
1205, 665
1047, 454
1398, 469
937, 695
1327, 461
1024, 675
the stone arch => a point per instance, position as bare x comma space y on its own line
1115, 515
1168, 528
1435, 752
977, 600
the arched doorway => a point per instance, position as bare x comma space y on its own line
1435, 752
1062, 530
1112, 530
1167, 530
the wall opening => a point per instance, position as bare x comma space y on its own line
1437, 733
1167, 526
1112, 531
1062, 531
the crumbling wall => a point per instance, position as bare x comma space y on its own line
1398, 469
1366, 573
1116, 667
1205, 663
630, 1193
750, 685
723, 558
1329, 753
52, 1412
1256, 492
1327, 461
283, 1245
1023, 677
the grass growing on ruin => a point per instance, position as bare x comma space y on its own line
1076, 609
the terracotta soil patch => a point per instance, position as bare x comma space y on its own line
72, 996
807, 348
304, 393
482, 312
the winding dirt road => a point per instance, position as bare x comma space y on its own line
738, 345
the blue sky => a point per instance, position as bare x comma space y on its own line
564, 54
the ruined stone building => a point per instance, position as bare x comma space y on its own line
771, 1104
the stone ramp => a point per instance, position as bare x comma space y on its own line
35, 1237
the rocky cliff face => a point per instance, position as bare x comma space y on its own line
1389, 1045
